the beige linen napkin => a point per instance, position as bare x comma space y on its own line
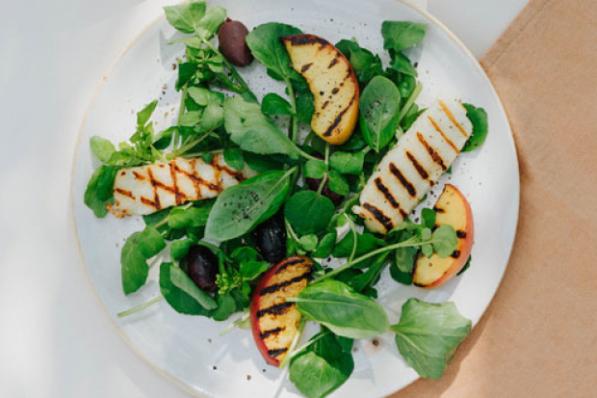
538, 338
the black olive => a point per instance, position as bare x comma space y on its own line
270, 239
201, 265
313, 184
232, 36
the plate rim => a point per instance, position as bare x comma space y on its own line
199, 392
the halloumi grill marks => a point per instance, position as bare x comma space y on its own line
146, 189
414, 165
274, 321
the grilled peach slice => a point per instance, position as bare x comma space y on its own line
332, 82
452, 209
274, 321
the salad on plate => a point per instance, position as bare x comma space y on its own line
276, 211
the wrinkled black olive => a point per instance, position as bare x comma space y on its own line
232, 36
201, 265
270, 239
313, 184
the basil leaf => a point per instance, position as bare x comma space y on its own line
326, 245
444, 240
226, 306
253, 131
379, 105
185, 17
139, 247
323, 366
365, 64
337, 183
101, 148
400, 35
178, 299
428, 334
234, 158
314, 169
308, 212
266, 46
241, 207
272, 104
478, 118
347, 162
344, 311
99, 191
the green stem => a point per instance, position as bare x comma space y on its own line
293, 119
322, 183
411, 100
140, 307
290, 231
190, 145
181, 109
294, 343
412, 242
353, 229
305, 154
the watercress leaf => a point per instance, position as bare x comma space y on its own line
308, 212
144, 114
178, 299
404, 259
379, 108
180, 248
99, 191
241, 207
186, 71
253, 131
211, 118
226, 306
428, 216
347, 162
400, 63
163, 139
314, 169
139, 247
478, 117
365, 64
323, 366
304, 105
428, 334
250, 270
342, 310
326, 245
185, 17
444, 240
337, 183
371, 275
234, 158
427, 250
266, 46
190, 119
424, 233
204, 97
308, 242
192, 217
355, 143
273, 104
366, 242
243, 254
400, 35
182, 281
211, 21
101, 148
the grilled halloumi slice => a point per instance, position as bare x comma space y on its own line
414, 165
146, 189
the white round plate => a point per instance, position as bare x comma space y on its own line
191, 349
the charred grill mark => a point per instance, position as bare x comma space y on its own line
325, 104
271, 332
198, 181
124, 192
379, 216
420, 169
306, 67
301, 40
434, 155
278, 286
450, 116
338, 118
456, 254
276, 309
148, 202
178, 196
154, 186
334, 61
386, 192
461, 234
237, 175
444, 136
138, 176
438, 209
275, 352
403, 180
335, 90
289, 262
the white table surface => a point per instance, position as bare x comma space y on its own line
55, 338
